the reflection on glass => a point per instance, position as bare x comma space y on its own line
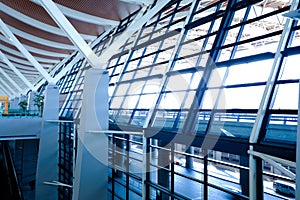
233, 124
282, 128
202, 122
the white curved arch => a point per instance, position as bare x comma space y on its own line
21, 67
37, 24
10, 80
44, 52
37, 50
41, 41
87, 17
84, 17
17, 53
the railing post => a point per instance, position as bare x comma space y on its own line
298, 152
146, 168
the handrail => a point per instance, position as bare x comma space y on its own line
116, 132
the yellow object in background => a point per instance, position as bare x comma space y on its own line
5, 100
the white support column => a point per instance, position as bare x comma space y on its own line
47, 168
298, 152
10, 36
91, 170
32, 107
19, 74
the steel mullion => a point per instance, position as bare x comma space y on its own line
254, 175
138, 65
154, 59
171, 64
191, 117
239, 36
126, 63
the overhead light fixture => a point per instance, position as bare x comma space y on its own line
295, 14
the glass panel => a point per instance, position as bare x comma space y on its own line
249, 73
287, 96
290, 69
282, 128
233, 124
139, 117
164, 119
242, 98
202, 122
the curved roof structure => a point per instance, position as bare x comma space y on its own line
32, 43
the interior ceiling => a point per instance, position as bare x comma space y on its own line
41, 36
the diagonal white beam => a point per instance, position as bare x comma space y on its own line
45, 52
75, 14
39, 40
7, 86
22, 68
140, 2
17, 53
10, 36
6, 91
133, 27
87, 17
10, 80
25, 62
37, 24
21, 76
37, 50
73, 35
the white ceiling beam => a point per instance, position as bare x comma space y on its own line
10, 80
26, 69
25, 62
137, 24
39, 40
37, 50
17, 43
5, 91
21, 76
75, 59
139, 2
8, 87
73, 35
87, 17
17, 53
38, 24
45, 52
84, 17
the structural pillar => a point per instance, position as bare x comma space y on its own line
255, 177
47, 164
31, 107
244, 175
189, 160
91, 170
163, 175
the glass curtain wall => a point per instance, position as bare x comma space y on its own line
193, 78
